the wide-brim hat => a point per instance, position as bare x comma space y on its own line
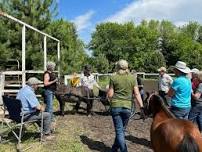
182, 66
34, 80
162, 69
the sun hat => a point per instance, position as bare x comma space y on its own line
33, 80
162, 69
122, 64
182, 66
195, 70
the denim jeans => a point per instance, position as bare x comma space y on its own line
120, 118
195, 115
46, 120
180, 113
48, 99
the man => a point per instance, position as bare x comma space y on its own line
32, 107
121, 88
164, 83
88, 81
180, 91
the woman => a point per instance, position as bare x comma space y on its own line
180, 91
195, 114
50, 87
122, 86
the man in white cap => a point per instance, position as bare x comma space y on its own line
32, 107
164, 83
180, 91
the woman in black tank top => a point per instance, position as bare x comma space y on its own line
50, 87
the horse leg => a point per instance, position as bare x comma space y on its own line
77, 106
89, 106
61, 103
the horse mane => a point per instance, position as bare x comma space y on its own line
162, 104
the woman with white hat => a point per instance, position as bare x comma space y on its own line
180, 91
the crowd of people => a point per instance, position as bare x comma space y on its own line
183, 96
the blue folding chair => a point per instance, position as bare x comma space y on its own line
16, 114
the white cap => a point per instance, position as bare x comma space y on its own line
195, 70
33, 80
122, 64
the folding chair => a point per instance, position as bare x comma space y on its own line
16, 114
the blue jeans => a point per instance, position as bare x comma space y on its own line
48, 99
120, 118
195, 115
180, 113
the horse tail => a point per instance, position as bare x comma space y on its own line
188, 144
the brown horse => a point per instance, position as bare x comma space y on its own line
169, 134
77, 95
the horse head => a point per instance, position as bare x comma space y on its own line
152, 103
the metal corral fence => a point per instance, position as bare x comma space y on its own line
143, 75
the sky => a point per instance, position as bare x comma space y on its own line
86, 14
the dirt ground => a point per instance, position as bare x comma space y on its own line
97, 132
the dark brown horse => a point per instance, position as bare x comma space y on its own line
77, 95
169, 134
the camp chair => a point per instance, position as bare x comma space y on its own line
14, 108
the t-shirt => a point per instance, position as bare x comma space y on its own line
182, 97
88, 81
164, 82
198, 90
28, 99
123, 85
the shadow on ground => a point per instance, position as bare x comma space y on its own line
140, 141
94, 145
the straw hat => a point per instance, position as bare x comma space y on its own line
181, 66
33, 80
163, 69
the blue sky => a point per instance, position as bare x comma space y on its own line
87, 13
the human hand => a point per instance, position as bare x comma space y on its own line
42, 109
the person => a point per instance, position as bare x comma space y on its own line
195, 114
32, 107
87, 80
120, 93
194, 79
49, 87
75, 80
164, 83
140, 87
180, 91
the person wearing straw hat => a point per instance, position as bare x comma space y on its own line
120, 93
49, 87
164, 83
195, 114
180, 91
30, 104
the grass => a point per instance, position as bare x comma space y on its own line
67, 139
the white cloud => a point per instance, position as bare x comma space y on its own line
83, 21
177, 11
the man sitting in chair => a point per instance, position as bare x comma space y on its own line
30, 104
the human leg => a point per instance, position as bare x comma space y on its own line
48, 99
180, 113
119, 129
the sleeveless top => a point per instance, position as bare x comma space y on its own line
51, 87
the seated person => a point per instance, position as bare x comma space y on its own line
33, 108
75, 80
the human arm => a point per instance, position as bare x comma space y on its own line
138, 96
171, 92
46, 80
198, 93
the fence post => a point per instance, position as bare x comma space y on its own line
2, 80
45, 52
23, 56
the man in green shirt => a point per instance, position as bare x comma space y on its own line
122, 90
